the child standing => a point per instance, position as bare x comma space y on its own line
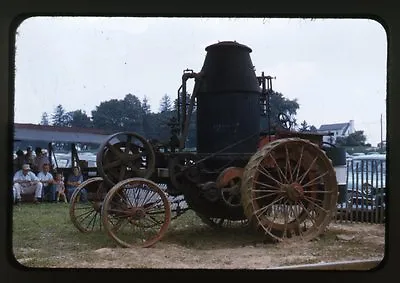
60, 188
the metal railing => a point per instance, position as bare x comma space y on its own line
364, 198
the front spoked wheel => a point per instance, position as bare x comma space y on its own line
136, 212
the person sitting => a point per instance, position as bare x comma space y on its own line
73, 181
60, 188
18, 161
46, 178
39, 160
29, 156
26, 182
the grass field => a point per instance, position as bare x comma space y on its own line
44, 236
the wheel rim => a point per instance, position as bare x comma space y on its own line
178, 175
125, 155
136, 212
290, 189
86, 216
229, 182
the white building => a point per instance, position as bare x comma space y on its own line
333, 131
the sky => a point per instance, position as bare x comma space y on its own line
335, 68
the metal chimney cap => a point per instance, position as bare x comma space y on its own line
228, 44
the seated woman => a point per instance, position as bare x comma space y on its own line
73, 181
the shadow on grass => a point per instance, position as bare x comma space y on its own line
204, 237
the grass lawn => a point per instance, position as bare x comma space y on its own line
44, 236
44, 233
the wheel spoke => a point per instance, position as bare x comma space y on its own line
311, 200
128, 145
149, 196
154, 220
152, 207
285, 217
264, 196
267, 174
117, 152
122, 172
84, 215
288, 166
113, 174
124, 198
308, 213
122, 222
112, 164
318, 192
266, 186
310, 183
308, 170
280, 172
296, 217
265, 208
92, 221
298, 164
145, 197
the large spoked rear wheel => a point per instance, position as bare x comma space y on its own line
136, 212
85, 213
289, 190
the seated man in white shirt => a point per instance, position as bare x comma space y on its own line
46, 178
26, 182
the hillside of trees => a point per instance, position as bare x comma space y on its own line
134, 114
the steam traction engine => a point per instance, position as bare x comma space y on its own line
245, 168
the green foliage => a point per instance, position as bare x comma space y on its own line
80, 119
279, 104
165, 104
106, 115
305, 127
131, 114
146, 106
119, 115
355, 139
45, 119
313, 128
60, 117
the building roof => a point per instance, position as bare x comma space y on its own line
334, 127
31, 132
59, 129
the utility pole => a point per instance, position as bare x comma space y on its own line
381, 132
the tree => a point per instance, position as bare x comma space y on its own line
60, 117
146, 106
119, 115
165, 104
313, 129
108, 115
304, 126
45, 119
280, 105
133, 113
80, 119
355, 139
